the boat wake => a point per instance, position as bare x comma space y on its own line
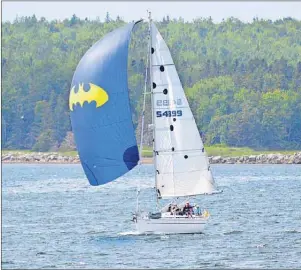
233, 232
129, 233
163, 235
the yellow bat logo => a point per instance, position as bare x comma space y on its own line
95, 93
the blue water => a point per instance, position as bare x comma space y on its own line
52, 218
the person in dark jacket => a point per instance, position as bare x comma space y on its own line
187, 209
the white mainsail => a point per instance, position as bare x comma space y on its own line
182, 166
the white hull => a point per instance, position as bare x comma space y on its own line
171, 225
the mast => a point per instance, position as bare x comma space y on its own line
152, 100
147, 78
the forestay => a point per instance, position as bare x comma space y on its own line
182, 165
100, 109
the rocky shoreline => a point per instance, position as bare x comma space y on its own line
16, 157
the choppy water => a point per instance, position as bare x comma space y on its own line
52, 218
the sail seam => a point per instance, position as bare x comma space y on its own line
165, 65
187, 150
164, 84
201, 170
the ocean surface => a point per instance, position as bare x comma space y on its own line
53, 218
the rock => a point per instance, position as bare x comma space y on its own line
7, 157
252, 159
216, 159
232, 160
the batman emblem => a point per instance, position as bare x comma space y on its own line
95, 93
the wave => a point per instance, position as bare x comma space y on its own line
293, 231
68, 185
7, 262
233, 232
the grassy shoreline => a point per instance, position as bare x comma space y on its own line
213, 150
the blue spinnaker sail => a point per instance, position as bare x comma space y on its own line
100, 110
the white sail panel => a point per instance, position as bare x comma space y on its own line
162, 55
178, 178
182, 165
165, 143
160, 78
179, 188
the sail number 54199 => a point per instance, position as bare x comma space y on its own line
169, 113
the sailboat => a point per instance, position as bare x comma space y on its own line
105, 136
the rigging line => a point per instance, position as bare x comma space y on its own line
152, 99
142, 130
143, 111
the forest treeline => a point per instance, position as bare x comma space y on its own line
242, 80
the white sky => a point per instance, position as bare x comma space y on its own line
129, 11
